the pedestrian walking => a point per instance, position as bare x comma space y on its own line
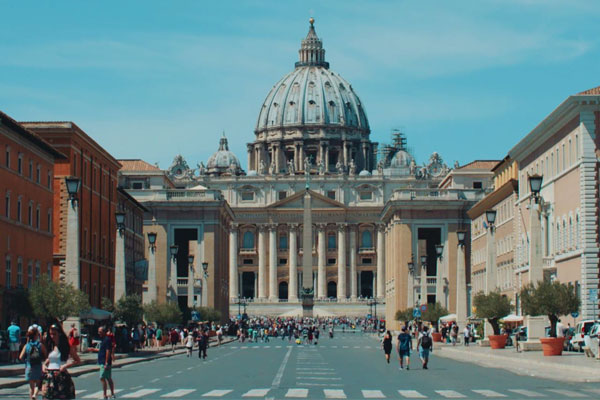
454, 334
189, 344
425, 345
34, 353
202, 344
74, 336
56, 380
174, 339
105, 359
159, 336
404, 347
14, 340
386, 345
467, 335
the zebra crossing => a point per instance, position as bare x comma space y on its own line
257, 346
338, 393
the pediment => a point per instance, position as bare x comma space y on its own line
296, 202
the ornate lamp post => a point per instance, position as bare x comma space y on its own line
423, 259
150, 294
173, 250
461, 280
72, 271
490, 266
120, 285
440, 276
411, 269
190, 281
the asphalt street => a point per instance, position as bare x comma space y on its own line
350, 366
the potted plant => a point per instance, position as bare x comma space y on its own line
433, 314
552, 299
493, 306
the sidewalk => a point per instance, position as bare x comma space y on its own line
570, 367
14, 375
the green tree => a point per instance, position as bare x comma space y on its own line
404, 315
163, 313
208, 314
107, 304
492, 306
433, 313
56, 300
549, 298
129, 310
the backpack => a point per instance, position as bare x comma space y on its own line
426, 342
35, 357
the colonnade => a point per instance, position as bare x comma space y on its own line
268, 235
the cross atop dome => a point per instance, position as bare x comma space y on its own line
311, 50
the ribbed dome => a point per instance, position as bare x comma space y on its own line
401, 159
312, 94
222, 160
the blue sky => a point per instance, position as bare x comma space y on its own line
152, 79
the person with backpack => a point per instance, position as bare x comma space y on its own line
404, 347
425, 345
34, 353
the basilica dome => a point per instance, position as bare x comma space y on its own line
223, 161
312, 94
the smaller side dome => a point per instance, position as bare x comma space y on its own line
401, 159
364, 172
223, 162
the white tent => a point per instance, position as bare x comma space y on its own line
448, 318
512, 318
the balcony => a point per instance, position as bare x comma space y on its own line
366, 250
248, 251
183, 195
548, 262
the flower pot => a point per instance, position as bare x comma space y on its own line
497, 341
552, 346
437, 336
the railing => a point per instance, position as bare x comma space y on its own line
248, 251
436, 194
363, 250
431, 281
548, 262
176, 195
182, 281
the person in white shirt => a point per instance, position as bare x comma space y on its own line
560, 329
467, 335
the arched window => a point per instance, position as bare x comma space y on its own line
570, 232
558, 238
577, 231
366, 240
248, 240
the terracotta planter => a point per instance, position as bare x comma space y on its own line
497, 341
552, 346
437, 336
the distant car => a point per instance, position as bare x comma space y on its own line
581, 329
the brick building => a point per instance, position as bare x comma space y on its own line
26, 174
97, 170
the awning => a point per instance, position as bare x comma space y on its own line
512, 318
96, 314
448, 318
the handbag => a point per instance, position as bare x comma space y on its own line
58, 385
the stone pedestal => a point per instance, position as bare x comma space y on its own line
120, 289
72, 272
150, 294
535, 331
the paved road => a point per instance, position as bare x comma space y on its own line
349, 366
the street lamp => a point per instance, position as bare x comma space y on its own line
439, 250
535, 185
152, 240
120, 217
461, 235
174, 249
424, 261
205, 269
72, 184
411, 267
191, 261
490, 216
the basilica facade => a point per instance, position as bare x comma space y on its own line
384, 224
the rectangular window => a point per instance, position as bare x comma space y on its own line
19, 272
7, 157
38, 270
37, 217
331, 194
20, 164
49, 227
137, 185
7, 205
29, 274
331, 261
247, 196
8, 273
19, 210
367, 261
477, 185
331, 242
564, 157
30, 214
30, 169
576, 148
248, 261
49, 271
281, 195
49, 179
283, 242
366, 195
282, 261
38, 173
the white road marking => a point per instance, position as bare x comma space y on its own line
234, 347
190, 368
367, 347
297, 393
279, 375
357, 347
315, 373
267, 347
344, 347
334, 393
321, 378
315, 369
567, 393
217, 393
277, 347
136, 387
373, 394
488, 393
451, 394
139, 393
168, 376
154, 380
179, 393
334, 347
98, 395
593, 390
318, 384
411, 394
528, 393
179, 372
256, 393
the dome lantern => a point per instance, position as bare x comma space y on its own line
311, 50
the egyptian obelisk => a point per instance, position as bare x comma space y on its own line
307, 267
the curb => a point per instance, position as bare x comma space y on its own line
94, 367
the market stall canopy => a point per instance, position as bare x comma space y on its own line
512, 318
448, 318
96, 314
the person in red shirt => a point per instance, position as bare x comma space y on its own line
173, 338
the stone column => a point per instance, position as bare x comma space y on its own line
461, 288
262, 263
273, 295
72, 269
173, 279
410, 302
301, 158
353, 282
233, 262
293, 259
120, 289
439, 281
322, 277
250, 150
345, 152
365, 151
535, 324
190, 285
327, 157
341, 284
295, 157
423, 269
490, 265
380, 262
150, 295
255, 285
